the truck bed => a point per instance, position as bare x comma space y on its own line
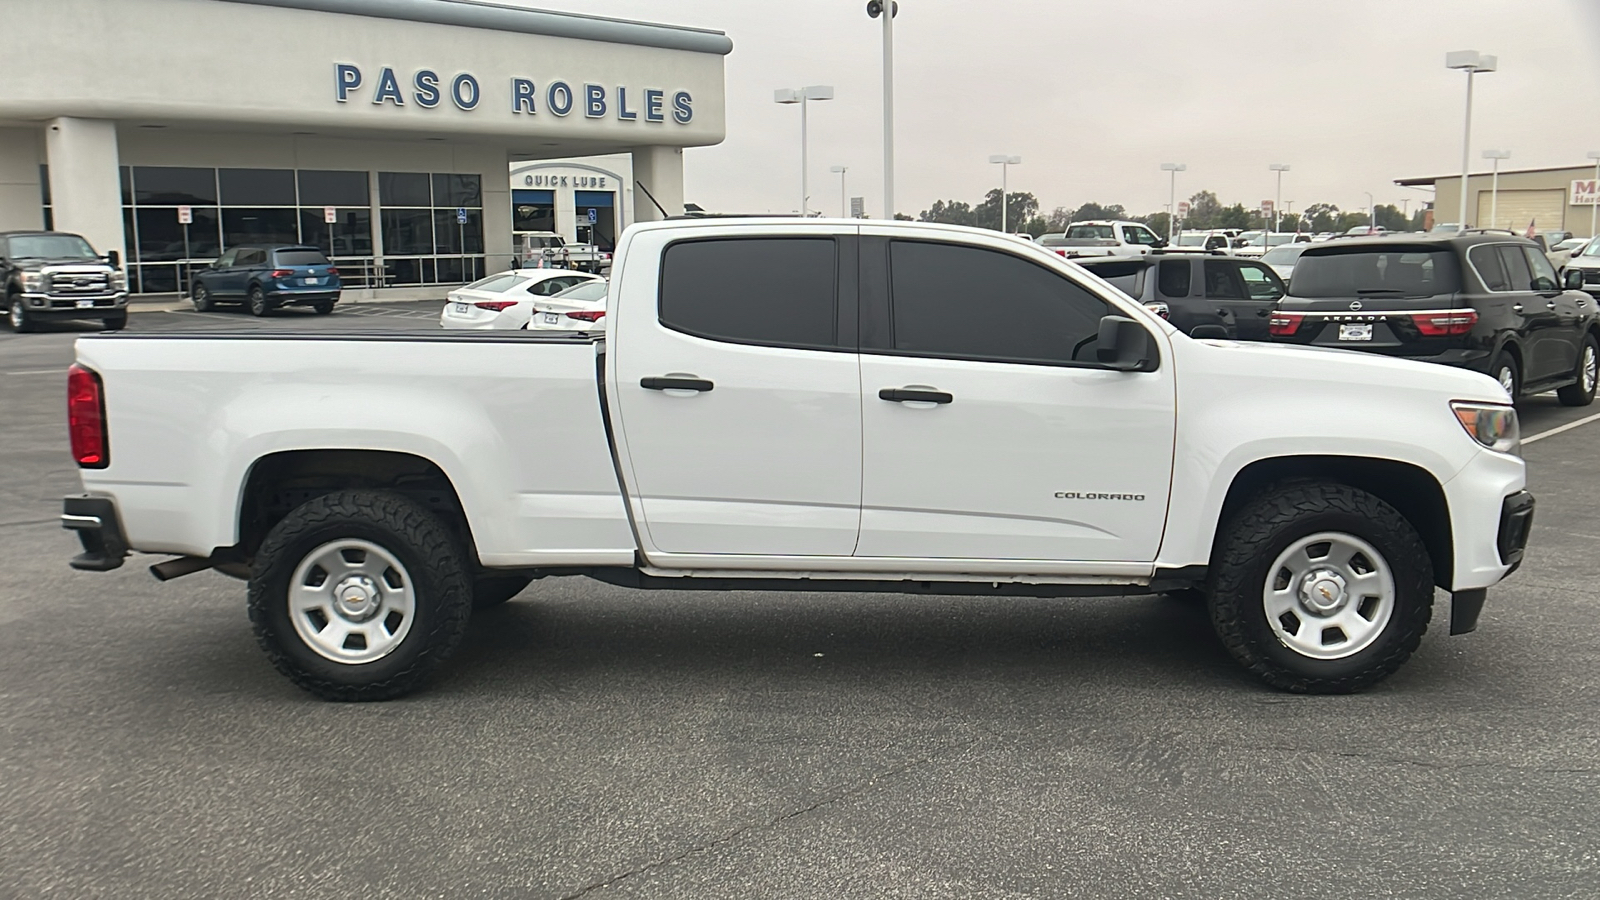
513, 419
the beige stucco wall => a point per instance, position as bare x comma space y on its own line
1447, 197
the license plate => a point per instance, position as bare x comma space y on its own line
461, 308
86, 304
552, 318
1361, 332
313, 281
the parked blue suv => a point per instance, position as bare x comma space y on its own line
267, 276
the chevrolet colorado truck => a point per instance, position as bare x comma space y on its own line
803, 405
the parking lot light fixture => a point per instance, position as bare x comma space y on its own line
1172, 198
844, 208
1277, 204
1494, 185
1005, 162
1372, 212
1472, 62
1594, 155
802, 96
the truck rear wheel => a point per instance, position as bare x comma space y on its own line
1320, 588
359, 595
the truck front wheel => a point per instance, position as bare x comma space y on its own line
1320, 588
359, 595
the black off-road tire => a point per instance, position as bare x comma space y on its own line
17, 316
116, 322
1504, 361
427, 549
493, 590
1580, 393
257, 302
200, 296
1261, 530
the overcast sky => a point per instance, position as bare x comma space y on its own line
1094, 95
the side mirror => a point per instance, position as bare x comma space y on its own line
1573, 278
113, 259
1160, 243
1125, 345
515, 263
1209, 333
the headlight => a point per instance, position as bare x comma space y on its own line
1491, 425
33, 281
119, 281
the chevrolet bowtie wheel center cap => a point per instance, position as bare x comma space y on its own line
357, 597
1323, 592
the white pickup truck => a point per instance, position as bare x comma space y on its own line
1105, 237
804, 405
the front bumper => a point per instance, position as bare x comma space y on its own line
72, 306
99, 529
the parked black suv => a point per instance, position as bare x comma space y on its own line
1488, 302
1194, 289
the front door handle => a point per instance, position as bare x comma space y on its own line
915, 395
1551, 304
674, 383
1517, 308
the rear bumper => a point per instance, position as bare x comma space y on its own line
293, 296
99, 530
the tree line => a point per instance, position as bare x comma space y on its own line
1205, 212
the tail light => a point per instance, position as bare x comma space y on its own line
1445, 324
588, 315
1061, 253
332, 270
280, 273
496, 305
86, 418
1284, 324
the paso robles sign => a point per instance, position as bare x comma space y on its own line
428, 89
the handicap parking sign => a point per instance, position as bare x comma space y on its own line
461, 215
594, 215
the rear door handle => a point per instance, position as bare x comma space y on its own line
674, 383
901, 395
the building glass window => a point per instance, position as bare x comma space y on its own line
425, 240
323, 188
260, 225
256, 187
44, 198
174, 186
533, 210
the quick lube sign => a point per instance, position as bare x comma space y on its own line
428, 89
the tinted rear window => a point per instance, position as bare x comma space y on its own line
1377, 273
1098, 232
780, 291
301, 258
1174, 278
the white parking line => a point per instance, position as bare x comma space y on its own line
1555, 431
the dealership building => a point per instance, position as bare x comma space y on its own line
1562, 198
379, 130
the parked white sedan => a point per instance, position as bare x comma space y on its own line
581, 307
506, 300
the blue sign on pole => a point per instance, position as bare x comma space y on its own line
594, 215
461, 215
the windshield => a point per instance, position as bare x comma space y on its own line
1377, 273
1102, 232
1191, 240
1283, 256
589, 290
50, 246
301, 258
1593, 249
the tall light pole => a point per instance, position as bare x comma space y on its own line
1005, 162
1277, 204
875, 10
844, 208
802, 96
1473, 62
1595, 155
1172, 198
1372, 212
1494, 189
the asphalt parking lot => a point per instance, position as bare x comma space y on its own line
588, 741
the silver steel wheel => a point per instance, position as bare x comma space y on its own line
18, 314
351, 601
1591, 368
1508, 380
1329, 595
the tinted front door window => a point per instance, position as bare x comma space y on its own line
971, 303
